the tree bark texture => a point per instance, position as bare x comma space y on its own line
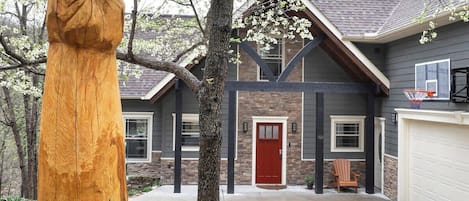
81, 151
12, 123
210, 98
31, 116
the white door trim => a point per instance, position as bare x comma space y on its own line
270, 119
382, 122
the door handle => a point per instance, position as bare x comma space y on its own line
280, 153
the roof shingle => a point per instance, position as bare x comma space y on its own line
354, 17
139, 87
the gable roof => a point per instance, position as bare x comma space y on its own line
365, 66
136, 88
377, 21
381, 21
352, 17
355, 56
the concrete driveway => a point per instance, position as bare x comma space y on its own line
251, 193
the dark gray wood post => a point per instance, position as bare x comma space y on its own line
231, 139
370, 144
177, 143
319, 169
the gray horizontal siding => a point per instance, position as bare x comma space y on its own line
162, 136
145, 106
401, 57
190, 105
320, 67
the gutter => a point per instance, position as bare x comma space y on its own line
403, 31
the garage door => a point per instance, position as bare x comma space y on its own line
438, 161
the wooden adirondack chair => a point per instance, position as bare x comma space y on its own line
341, 172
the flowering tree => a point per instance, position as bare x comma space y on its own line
454, 9
21, 70
23, 58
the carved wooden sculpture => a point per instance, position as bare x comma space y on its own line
81, 151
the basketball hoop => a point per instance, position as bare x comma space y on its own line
416, 96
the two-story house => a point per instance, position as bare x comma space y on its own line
416, 154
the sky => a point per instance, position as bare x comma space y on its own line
171, 7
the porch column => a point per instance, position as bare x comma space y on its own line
319, 169
177, 143
370, 144
231, 139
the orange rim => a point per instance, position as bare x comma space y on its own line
429, 93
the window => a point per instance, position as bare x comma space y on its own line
190, 132
138, 131
347, 133
269, 131
434, 76
273, 59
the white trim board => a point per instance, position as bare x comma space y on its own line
141, 115
270, 119
348, 119
382, 122
391, 156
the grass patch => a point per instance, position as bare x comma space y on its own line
139, 185
147, 189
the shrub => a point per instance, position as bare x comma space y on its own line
147, 189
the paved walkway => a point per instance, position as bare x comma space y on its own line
251, 193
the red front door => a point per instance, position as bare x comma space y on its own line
269, 153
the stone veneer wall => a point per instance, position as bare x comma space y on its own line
152, 169
270, 104
255, 104
164, 169
390, 177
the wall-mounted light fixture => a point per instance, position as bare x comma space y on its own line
294, 127
245, 127
394, 117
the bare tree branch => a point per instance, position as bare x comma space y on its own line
181, 3
187, 51
22, 62
10, 52
29, 63
197, 18
9, 13
180, 71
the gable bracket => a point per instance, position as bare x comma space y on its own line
297, 58
253, 54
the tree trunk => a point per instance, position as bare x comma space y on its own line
12, 123
81, 150
29, 151
32, 143
210, 98
2, 160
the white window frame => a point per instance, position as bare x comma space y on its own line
140, 115
348, 119
192, 117
282, 55
433, 80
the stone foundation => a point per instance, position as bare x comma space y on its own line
164, 170
152, 169
390, 177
